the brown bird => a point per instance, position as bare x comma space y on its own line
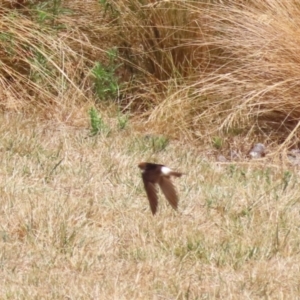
153, 174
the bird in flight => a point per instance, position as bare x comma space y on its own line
154, 174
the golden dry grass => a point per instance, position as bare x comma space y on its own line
75, 221
203, 68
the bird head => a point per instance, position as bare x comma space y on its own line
142, 165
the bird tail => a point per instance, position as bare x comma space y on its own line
176, 174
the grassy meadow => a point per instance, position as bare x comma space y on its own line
88, 89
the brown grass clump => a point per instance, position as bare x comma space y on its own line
32, 65
263, 67
206, 69
197, 69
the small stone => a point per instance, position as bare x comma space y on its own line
221, 158
257, 151
294, 157
234, 154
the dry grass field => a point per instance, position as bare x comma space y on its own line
76, 224
88, 89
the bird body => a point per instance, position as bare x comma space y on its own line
154, 174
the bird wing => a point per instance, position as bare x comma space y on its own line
151, 194
168, 189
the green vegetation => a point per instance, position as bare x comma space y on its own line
123, 121
105, 81
217, 142
97, 123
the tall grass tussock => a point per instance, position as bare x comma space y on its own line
88, 89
